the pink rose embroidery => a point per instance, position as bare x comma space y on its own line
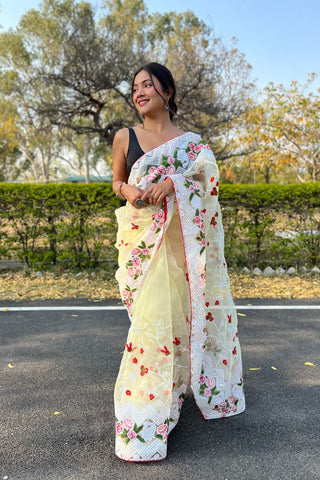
145, 251
125, 293
161, 170
191, 146
203, 242
162, 429
191, 188
153, 227
171, 170
197, 220
211, 382
128, 423
202, 379
207, 392
192, 156
131, 434
231, 400
130, 272
137, 272
165, 437
136, 261
119, 428
171, 160
199, 147
152, 170
222, 405
160, 214
135, 251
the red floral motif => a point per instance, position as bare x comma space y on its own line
217, 302
212, 179
141, 350
151, 396
204, 210
122, 243
214, 191
234, 351
134, 226
128, 392
176, 341
224, 362
207, 304
213, 222
129, 347
209, 316
143, 370
135, 360
229, 318
165, 350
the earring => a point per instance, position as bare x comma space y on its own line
166, 105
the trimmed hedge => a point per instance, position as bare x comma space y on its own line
75, 224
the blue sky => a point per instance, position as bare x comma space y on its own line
280, 38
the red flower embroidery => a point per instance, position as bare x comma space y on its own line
216, 214
151, 396
207, 304
128, 392
134, 226
212, 179
176, 341
237, 334
135, 360
214, 191
165, 350
143, 370
204, 210
141, 350
217, 302
224, 362
173, 385
213, 221
129, 347
209, 316
229, 318
234, 351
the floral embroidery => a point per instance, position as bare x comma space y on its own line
138, 255
177, 341
207, 386
128, 297
165, 350
193, 187
128, 430
143, 370
158, 221
229, 405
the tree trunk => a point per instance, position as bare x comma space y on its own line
86, 159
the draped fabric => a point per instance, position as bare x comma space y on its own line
174, 283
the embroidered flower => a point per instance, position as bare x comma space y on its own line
162, 429
119, 428
135, 360
128, 392
128, 423
229, 318
129, 347
130, 272
171, 170
192, 156
211, 382
199, 147
145, 251
135, 251
136, 261
197, 220
143, 370
150, 178
207, 392
171, 160
131, 434
134, 226
165, 350
151, 170
202, 379
151, 396
177, 341
224, 362
161, 170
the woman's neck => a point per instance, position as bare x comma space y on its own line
157, 124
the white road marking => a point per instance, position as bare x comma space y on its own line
120, 307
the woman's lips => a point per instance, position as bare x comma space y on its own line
142, 102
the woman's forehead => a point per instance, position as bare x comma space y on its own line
143, 76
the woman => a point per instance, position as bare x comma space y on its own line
172, 277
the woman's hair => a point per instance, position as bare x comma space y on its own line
166, 80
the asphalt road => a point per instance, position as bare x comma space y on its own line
67, 361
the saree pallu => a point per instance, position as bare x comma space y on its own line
174, 283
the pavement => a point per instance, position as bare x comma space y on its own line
67, 361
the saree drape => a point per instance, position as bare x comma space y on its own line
174, 283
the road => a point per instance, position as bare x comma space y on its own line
67, 361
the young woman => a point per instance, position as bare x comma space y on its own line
172, 277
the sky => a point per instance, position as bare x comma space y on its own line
280, 38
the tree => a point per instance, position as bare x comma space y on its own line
282, 132
71, 67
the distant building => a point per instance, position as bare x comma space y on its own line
93, 179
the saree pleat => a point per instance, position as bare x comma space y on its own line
173, 281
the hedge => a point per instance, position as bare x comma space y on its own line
74, 225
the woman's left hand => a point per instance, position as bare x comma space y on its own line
155, 194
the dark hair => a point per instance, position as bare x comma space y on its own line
166, 80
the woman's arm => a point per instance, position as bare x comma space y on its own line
120, 176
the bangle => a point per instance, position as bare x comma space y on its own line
118, 190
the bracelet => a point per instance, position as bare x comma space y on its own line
118, 190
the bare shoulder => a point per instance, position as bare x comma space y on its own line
121, 136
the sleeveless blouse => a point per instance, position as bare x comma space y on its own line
134, 150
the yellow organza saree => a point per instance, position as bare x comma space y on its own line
173, 280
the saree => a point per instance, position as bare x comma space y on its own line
174, 283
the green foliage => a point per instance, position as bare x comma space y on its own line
75, 224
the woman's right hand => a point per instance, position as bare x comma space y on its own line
131, 193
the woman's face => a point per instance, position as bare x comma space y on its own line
145, 98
